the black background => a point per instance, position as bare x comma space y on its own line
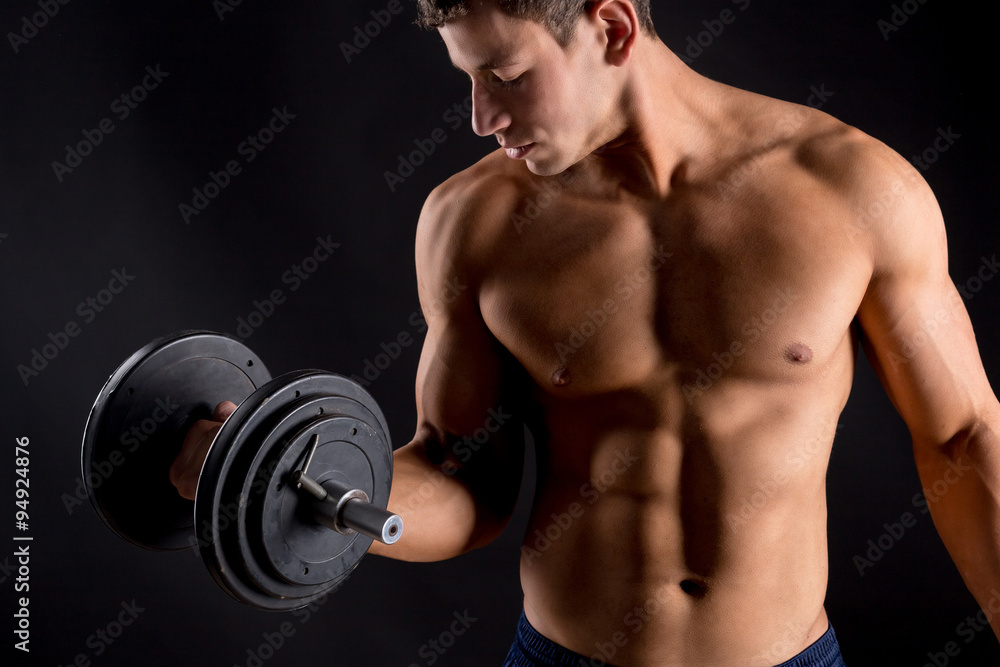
324, 176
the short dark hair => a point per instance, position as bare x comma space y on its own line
557, 16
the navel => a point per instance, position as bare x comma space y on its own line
561, 377
799, 353
694, 588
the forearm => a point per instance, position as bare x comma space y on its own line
446, 510
962, 486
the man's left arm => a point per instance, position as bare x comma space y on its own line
919, 339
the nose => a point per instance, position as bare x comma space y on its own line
488, 115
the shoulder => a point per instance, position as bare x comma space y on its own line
888, 203
838, 155
464, 216
881, 198
850, 161
850, 184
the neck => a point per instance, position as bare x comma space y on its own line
667, 112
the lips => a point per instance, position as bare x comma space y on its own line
518, 152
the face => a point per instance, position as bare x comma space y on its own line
546, 105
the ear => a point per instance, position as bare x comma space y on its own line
620, 24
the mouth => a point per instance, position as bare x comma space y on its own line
518, 152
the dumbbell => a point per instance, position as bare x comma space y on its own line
295, 485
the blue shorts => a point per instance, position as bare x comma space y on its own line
530, 649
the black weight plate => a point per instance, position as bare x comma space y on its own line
138, 423
222, 548
238, 571
231, 481
281, 453
288, 548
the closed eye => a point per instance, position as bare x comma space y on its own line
508, 83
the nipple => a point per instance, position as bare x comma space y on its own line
561, 377
799, 353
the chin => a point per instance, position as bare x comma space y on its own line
548, 166
544, 168
551, 167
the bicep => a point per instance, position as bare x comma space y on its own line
458, 377
463, 378
918, 330
467, 425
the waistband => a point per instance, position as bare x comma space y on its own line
532, 649
824, 652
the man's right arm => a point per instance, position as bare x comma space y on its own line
455, 484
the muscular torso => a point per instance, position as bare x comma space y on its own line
690, 355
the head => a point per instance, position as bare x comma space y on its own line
557, 16
548, 77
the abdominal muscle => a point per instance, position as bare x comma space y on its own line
681, 534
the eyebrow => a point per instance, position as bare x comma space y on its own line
496, 61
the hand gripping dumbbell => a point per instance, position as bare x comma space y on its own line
294, 487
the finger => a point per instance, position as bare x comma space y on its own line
180, 477
186, 468
223, 411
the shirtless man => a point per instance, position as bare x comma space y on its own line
662, 276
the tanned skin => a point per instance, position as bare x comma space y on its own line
665, 288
